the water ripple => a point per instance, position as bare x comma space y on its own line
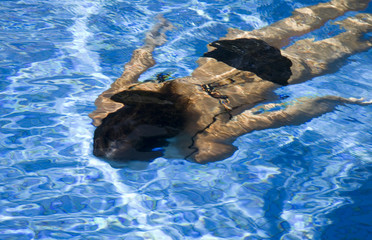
59, 55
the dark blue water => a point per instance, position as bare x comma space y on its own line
297, 182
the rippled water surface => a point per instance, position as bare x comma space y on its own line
297, 182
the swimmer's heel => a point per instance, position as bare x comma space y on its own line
351, 5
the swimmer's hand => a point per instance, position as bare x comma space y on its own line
156, 37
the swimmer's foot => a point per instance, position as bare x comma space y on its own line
351, 5
359, 23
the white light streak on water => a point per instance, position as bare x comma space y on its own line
255, 21
87, 62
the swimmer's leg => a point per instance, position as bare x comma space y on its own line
302, 21
278, 34
141, 61
215, 142
312, 59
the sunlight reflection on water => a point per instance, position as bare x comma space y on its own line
281, 183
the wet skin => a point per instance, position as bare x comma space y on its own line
229, 94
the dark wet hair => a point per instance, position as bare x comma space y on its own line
138, 130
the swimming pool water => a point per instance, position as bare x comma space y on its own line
297, 182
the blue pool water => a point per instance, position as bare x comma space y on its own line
297, 182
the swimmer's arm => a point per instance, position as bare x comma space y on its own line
141, 60
295, 112
215, 142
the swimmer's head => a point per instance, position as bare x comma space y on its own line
140, 129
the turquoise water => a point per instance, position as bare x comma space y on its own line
297, 182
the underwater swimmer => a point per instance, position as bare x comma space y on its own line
198, 117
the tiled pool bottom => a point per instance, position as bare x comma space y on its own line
297, 182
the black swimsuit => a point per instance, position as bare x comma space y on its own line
253, 55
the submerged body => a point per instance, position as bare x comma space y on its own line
204, 113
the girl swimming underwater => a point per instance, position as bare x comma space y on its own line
198, 117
